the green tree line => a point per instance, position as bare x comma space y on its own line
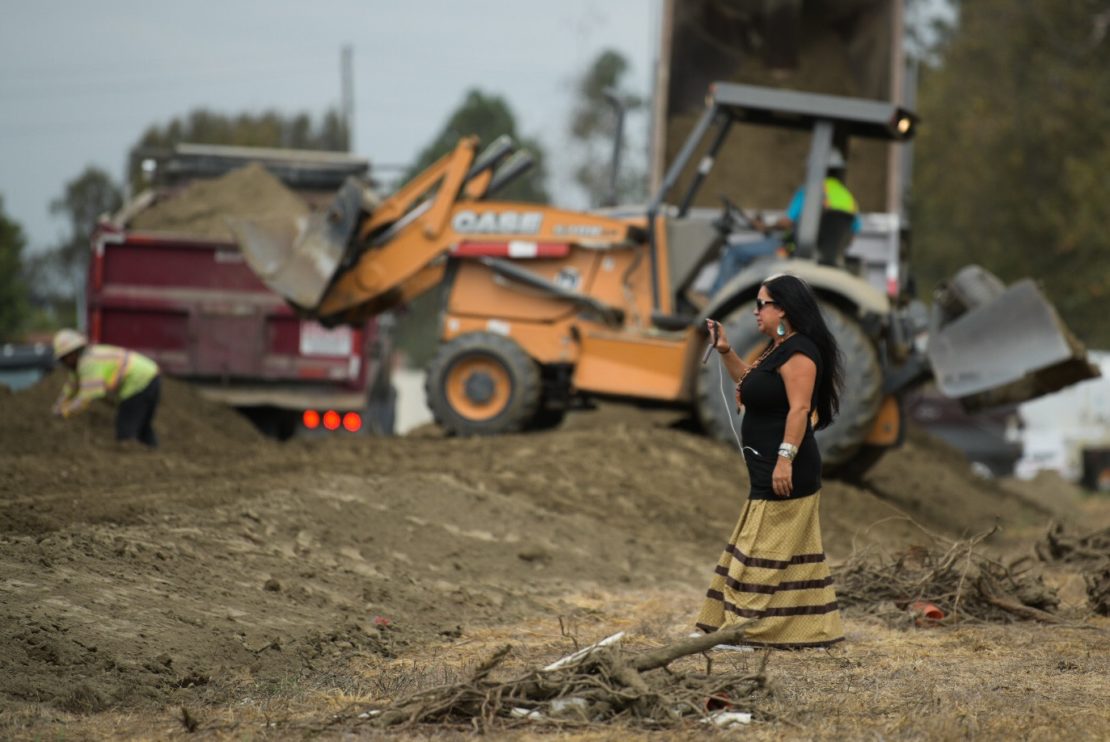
1012, 163
14, 304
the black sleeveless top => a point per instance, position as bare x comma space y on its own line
765, 407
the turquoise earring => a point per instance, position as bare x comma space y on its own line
781, 329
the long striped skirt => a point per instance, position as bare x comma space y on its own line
773, 570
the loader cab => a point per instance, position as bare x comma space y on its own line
819, 235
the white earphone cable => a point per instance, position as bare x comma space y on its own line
724, 399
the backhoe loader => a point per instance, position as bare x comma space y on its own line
543, 306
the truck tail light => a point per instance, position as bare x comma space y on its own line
331, 420
311, 419
352, 422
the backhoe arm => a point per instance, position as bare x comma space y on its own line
347, 256
402, 238
362, 258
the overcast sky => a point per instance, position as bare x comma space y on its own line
80, 81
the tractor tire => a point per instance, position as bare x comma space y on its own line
482, 384
859, 399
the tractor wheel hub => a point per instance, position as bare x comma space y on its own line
479, 387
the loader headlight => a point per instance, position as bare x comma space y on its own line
903, 124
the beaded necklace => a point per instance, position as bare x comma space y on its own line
748, 370
755, 363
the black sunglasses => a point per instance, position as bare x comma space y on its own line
760, 303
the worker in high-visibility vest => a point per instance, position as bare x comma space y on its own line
739, 255
123, 377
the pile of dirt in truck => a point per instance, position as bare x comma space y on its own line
202, 208
248, 580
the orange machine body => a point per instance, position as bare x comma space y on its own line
599, 322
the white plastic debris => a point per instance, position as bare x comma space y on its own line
523, 713
585, 651
726, 719
572, 705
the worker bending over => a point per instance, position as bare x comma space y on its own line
117, 375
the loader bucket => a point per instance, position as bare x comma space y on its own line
298, 259
1007, 350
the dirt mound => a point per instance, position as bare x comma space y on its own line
202, 209
185, 421
935, 485
55, 471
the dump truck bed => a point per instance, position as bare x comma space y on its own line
196, 308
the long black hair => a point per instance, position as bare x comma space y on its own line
794, 297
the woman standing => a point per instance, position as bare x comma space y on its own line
773, 568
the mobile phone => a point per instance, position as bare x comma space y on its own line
712, 341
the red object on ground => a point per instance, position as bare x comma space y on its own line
927, 613
718, 701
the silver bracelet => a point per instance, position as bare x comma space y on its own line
788, 451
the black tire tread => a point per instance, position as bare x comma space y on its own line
861, 396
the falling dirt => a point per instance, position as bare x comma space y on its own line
225, 568
201, 210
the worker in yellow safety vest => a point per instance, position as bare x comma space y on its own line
739, 255
120, 376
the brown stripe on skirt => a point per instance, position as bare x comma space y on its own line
774, 570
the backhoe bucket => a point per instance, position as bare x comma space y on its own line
1012, 348
298, 259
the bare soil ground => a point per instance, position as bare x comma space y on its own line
276, 591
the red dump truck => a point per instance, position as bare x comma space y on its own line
180, 293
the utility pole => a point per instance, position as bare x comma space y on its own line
657, 154
613, 96
347, 93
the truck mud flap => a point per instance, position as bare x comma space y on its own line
297, 260
1010, 349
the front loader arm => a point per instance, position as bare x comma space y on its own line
388, 264
423, 281
405, 199
331, 261
360, 258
